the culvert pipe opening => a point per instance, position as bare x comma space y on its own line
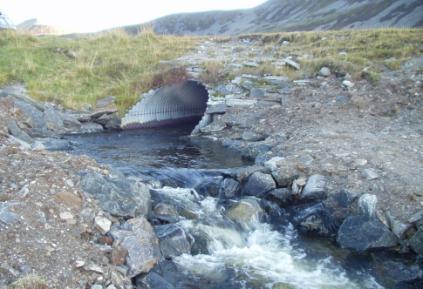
173, 105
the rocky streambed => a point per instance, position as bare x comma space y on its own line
226, 223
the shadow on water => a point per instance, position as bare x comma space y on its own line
157, 148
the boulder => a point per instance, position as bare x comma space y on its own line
120, 196
173, 241
229, 188
282, 196
325, 218
31, 116
153, 281
361, 233
367, 205
16, 131
283, 172
245, 212
416, 242
53, 119
314, 189
258, 184
71, 122
138, 238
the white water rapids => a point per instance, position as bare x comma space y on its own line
258, 253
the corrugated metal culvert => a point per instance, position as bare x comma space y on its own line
168, 106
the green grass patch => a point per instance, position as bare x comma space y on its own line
75, 72
348, 51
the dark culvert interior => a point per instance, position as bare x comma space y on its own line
183, 103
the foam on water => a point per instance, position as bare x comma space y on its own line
263, 254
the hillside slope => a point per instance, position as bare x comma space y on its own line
288, 15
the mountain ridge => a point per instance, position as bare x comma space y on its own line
285, 15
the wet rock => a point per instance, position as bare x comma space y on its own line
360, 233
367, 205
416, 242
173, 241
213, 127
97, 286
258, 184
325, 218
153, 281
120, 197
245, 212
257, 92
163, 209
282, 196
16, 131
109, 121
397, 274
138, 238
209, 186
325, 72
102, 224
314, 189
229, 188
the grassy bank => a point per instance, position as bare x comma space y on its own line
75, 72
351, 51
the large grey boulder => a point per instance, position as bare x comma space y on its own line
118, 196
258, 184
173, 241
32, 116
361, 233
283, 172
314, 189
245, 212
325, 218
229, 188
138, 238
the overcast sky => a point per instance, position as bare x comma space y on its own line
94, 15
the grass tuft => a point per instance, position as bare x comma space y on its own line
75, 72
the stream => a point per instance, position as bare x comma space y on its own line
255, 250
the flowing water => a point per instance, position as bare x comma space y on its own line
257, 253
